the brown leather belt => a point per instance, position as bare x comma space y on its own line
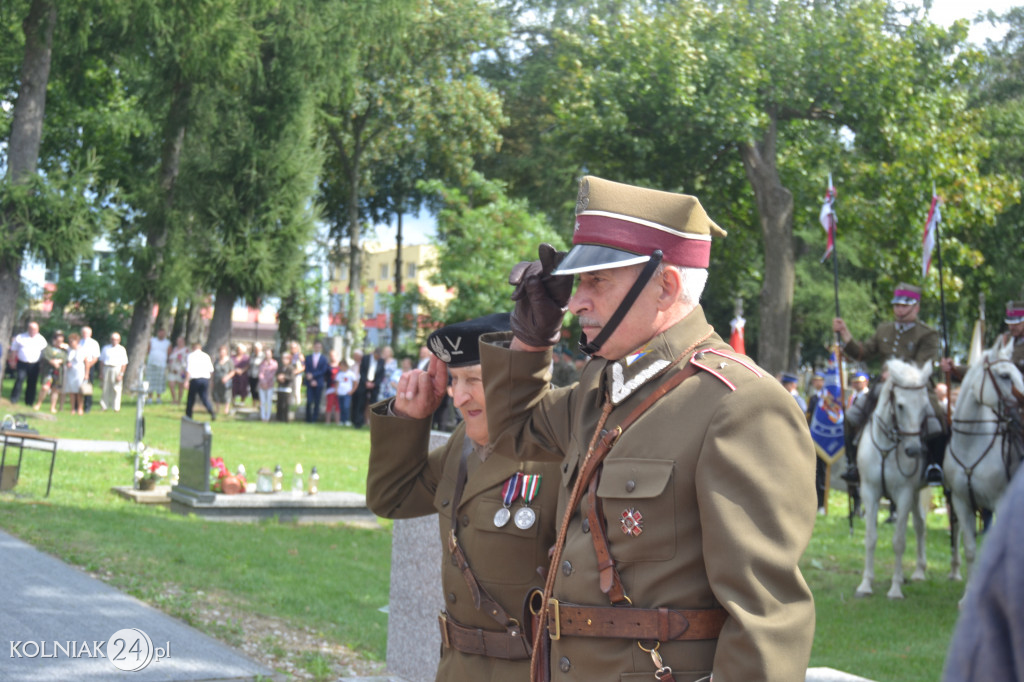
510, 645
660, 625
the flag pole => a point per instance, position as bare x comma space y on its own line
837, 352
942, 288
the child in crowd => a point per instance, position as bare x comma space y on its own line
345, 386
332, 413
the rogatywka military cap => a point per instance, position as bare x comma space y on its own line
789, 379
619, 225
1014, 312
906, 294
457, 344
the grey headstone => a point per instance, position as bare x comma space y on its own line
194, 459
414, 640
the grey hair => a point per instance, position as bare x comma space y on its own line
692, 281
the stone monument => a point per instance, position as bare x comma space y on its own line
194, 461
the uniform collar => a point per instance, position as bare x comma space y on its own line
622, 378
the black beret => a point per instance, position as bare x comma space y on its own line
458, 344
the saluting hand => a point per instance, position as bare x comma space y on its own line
420, 393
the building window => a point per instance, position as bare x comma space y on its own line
410, 270
384, 271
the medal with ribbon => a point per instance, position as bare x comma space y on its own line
509, 493
525, 516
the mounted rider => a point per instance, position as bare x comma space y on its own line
907, 339
1014, 333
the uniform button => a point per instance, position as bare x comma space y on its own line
451, 597
444, 503
630, 486
586, 525
564, 664
566, 568
465, 519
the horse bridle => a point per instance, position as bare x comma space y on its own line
896, 434
1003, 419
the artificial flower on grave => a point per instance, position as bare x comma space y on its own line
148, 468
224, 481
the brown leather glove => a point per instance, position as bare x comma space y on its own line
540, 298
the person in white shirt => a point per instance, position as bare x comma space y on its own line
114, 360
90, 350
346, 385
156, 364
24, 356
198, 370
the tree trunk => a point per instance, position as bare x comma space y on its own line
23, 150
396, 307
194, 320
355, 256
178, 327
220, 325
775, 210
157, 229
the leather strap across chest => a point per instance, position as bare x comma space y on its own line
600, 446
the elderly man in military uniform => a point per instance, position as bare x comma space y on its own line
497, 515
907, 339
686, 500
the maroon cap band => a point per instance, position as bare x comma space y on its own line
906, 293
1014, 314
642, 238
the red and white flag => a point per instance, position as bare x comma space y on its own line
827, 217
931, 226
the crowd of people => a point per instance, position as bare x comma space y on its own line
64, 370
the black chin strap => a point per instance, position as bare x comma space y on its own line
591, 347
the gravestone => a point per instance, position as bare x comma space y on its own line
194, 461
414, 640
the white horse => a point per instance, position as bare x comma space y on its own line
891, 462
985, 447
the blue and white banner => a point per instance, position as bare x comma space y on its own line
827, 420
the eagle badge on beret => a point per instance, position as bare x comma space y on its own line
583, 198
438, 349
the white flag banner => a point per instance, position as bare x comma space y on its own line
931, 226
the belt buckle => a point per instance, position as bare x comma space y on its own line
442, 618
557, 634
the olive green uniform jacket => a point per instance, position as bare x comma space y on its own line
404, 481
721, 469
919, 344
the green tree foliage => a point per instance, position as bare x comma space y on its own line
748, 105
51, 202
251, 167
482, 233
410, 107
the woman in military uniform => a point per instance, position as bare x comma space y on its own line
496, 515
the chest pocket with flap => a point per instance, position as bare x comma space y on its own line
639, 486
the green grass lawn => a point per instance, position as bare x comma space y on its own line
334, 579
330, 578
882, 639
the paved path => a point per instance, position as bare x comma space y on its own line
45, 603
77, 445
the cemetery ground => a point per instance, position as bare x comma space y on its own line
306, 599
